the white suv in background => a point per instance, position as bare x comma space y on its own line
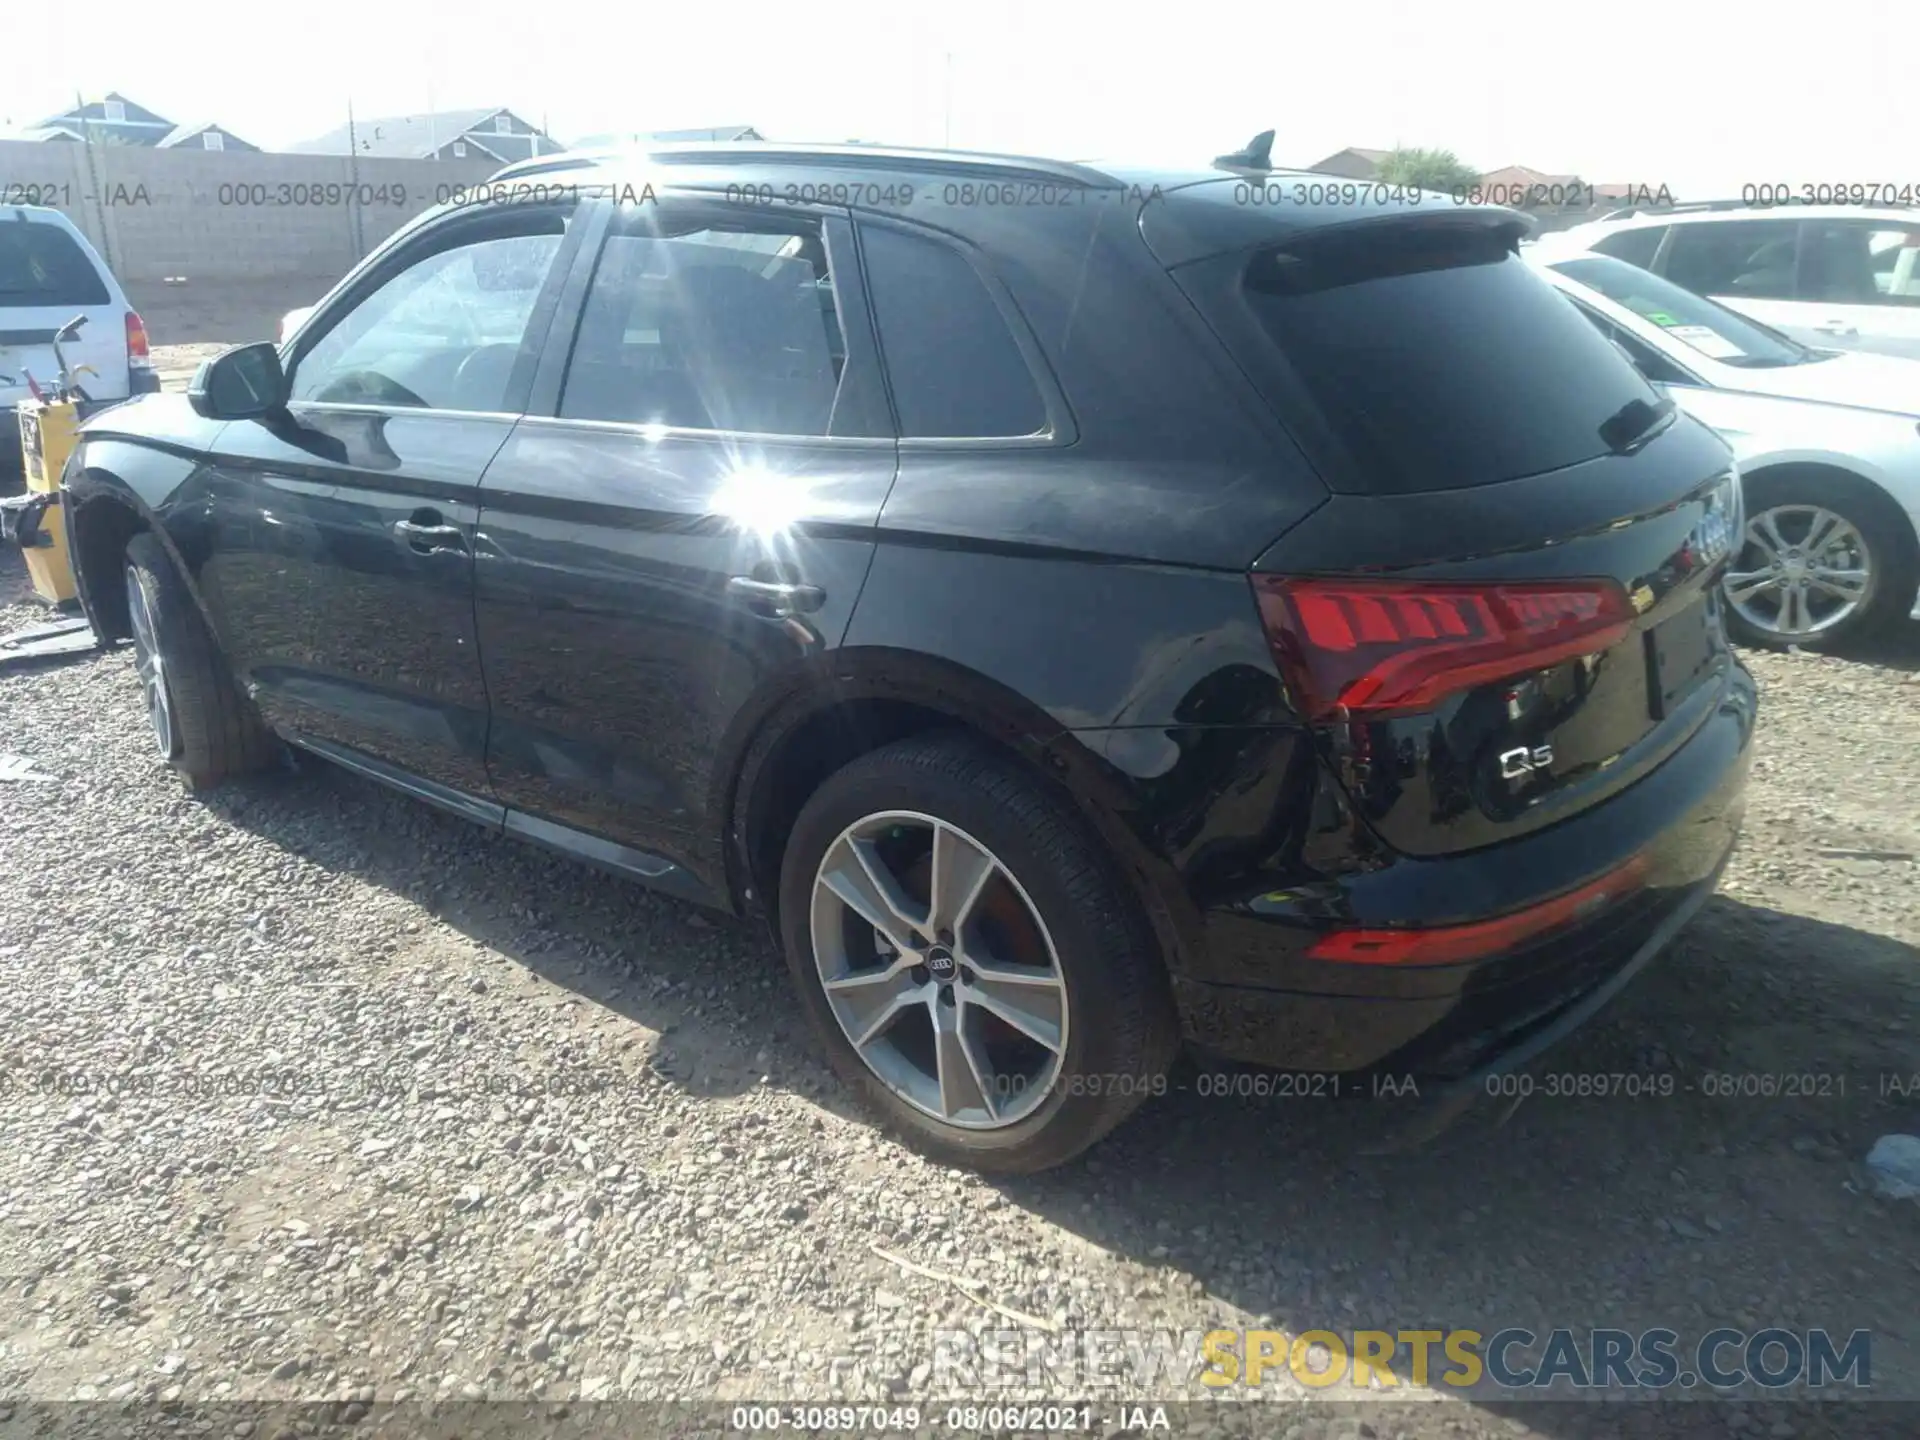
48, 275
1842, 277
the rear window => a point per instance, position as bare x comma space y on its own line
1432, 358
41, 265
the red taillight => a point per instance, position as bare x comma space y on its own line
1375, 646
138, 352
1454, 944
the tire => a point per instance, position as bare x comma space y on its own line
1873, 541
202, 724
1051, 911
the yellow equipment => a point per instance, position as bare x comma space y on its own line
49, 429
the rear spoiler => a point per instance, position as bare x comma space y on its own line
1208, 219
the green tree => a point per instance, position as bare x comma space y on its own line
1427, 169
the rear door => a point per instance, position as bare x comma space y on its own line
48, 276
686, 518
341, 533
1752, 266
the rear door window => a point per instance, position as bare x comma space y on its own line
41, 265
1743, 259
955, 368
710, 328
1421, 357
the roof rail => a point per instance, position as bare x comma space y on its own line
839, 157
1679, 206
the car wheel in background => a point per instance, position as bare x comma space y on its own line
1824, 558
202, 725
969, 958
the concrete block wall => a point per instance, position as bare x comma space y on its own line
206, 240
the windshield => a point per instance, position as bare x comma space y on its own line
1693, 320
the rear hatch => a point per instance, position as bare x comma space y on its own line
1507, 610
47, 277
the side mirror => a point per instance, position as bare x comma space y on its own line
240, 385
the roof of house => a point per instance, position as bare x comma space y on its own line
180, 134
1525, 175
719, 132
1374, 155
47, 132
399, 136
136, 114
613, 138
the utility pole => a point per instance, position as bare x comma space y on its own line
356, 232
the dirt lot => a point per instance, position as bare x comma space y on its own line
407, 1112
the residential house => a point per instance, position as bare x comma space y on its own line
1351, 164
116, 120
1555, 202
206, 136
488, 134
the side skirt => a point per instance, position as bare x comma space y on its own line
621, 860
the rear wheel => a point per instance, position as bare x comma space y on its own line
1823, 559
201, 724
969, 959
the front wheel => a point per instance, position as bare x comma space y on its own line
970, 960
1821, 561
201, 724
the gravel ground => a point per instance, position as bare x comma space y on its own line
403, 1111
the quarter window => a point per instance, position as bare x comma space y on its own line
1636, 247
716, 328
955, 367
1748, 259
443, 334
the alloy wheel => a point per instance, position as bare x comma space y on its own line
1802, 570
939, 969
150, 664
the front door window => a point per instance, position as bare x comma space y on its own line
443, 334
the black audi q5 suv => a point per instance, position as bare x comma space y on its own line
1082, 610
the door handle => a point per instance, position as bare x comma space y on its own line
777, 598
1839, 328
427, 534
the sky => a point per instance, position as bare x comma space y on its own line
1705, 98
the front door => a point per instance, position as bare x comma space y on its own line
342, 571
688, 520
